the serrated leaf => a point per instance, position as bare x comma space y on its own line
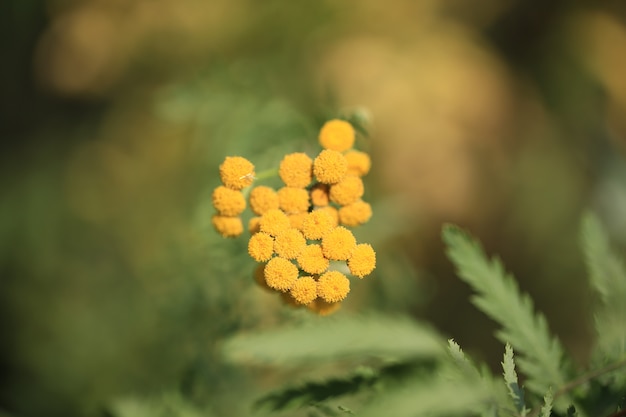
511, 381
608, 277
498, 296
437, 396
334, 338
546, 409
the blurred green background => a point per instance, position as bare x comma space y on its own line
507, 118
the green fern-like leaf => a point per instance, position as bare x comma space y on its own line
511, 381
498, 296
608, 278
333, 338
546, 409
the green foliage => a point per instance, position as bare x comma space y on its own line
608, 279
418, 377
499, 297
332, 338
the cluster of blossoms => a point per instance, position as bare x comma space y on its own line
300, 228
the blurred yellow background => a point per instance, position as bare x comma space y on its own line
507, 118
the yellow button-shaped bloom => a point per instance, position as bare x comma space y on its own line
289, 243
236, 172
280, 274
355, 214
338, 244
262, 199
319, 195
227, 226
317, 223
332, 211
337, 135
311, 260
323, 308
296, 170
333, 286
304, 290
347, 191
273, 222
362, 261
359, 163
297, 219
261, 247
254, 225
330, 166
293, 200
228, 202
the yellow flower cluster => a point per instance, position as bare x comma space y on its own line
299, 228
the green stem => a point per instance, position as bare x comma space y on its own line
584, 379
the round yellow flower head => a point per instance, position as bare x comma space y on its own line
317, 223
273, 222
296, 170
319, 195
228, 202
359, 163
289, 243
355, 214
332, 211
280, 274
296, 219
259, 277
262, 199
347, 191
337, 135
261, 247
333, 286
330, 166
323, 308
311, 260
304, 290
254, 225
293, 200
227, 226
338, 244
362, 261
236, 172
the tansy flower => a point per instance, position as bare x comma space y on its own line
261, 247
289, 243
236, 172
262, 199
296, 170
254, 225
333, 286
274, 221
337, 135
317, 223
323, 308
311, 260
338, 244
259, 277
347, 191
227, 226
362, 261
280, 274
355, 214
296, 219
304, 290
359, 163
228, 202
330, 166
293, 200
319, 194
333, 212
